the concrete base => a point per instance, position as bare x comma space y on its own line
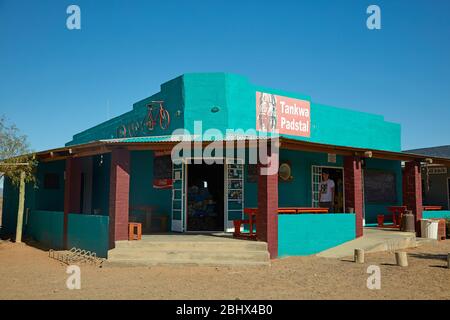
375, 240
189, 249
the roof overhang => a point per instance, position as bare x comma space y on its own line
168, 142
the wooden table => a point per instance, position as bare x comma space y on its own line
297, 210
397, 213
284, 210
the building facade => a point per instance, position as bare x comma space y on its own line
122, 170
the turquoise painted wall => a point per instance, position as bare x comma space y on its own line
306, 234
296, 192
9, 211
89, 232
171, 93
141, 186
195, 94
372, 210
36, 196
436, 214
10, 206
49, 199
46, 227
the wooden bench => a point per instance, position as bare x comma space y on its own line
432, 208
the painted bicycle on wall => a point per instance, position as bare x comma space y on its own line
162, 116
136, 128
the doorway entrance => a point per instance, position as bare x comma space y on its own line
205, 197
337, 175
448, 193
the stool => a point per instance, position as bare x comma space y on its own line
132, 227
380, 220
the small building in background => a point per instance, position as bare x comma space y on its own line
435, 177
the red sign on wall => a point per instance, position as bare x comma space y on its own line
283, 115
162, 170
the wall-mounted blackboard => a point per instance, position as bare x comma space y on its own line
380, 187
162, 167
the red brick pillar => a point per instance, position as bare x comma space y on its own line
412, 191
267, 218
353, 190
119, 191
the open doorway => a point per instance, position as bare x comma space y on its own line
448, 193
205, 197
337, 175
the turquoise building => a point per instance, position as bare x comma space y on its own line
122, 170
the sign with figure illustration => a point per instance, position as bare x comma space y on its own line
283, 115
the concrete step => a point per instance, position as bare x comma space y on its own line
189, 255
196, 252
237, 245
209, 263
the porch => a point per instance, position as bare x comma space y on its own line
115, 178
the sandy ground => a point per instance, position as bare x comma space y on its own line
28, 273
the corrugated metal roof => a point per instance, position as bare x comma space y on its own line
441, 151
178, 138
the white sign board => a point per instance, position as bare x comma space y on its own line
437, 170
332, 157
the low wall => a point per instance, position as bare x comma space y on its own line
436, 214
89, 232
46, 227
306, 234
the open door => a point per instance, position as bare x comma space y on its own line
234, 192
178, 197
316, 178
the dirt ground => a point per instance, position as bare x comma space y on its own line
28, 273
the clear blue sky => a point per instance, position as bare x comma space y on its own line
55, 82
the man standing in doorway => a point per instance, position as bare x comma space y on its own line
326, 196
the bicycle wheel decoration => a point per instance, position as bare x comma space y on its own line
164, 119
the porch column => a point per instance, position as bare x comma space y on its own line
267, 217
412, 191
72, 187
353, 190
119, 191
